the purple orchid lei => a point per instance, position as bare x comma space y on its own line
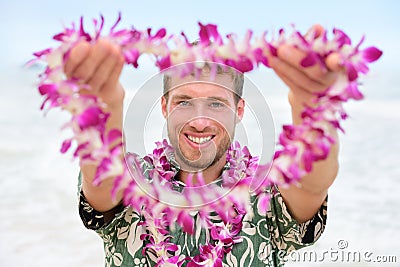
231, 210
300, 145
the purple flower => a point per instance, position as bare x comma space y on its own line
186, 221
66, 145
92, 117
209, 34
132, 56
210, 256
227, 232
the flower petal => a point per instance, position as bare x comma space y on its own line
371, 54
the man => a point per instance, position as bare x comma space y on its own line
201, 118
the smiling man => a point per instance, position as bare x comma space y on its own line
201, 118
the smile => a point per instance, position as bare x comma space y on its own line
199, 140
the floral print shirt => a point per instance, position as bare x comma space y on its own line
267, 238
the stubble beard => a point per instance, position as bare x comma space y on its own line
200, 160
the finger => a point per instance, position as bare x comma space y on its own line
297, 77
300, 93
99, 51
334, 62
109, 91
115, 73
103, 71
76, 56
315, 31
294, 56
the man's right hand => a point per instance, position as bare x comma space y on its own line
99, 65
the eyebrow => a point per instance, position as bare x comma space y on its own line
181, 97
187, 97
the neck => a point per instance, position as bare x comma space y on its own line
209, 175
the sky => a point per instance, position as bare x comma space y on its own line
28, 26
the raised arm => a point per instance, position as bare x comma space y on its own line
100, 66
303, 202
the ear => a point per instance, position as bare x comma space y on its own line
164, 106
240, 110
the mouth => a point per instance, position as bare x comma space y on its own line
199, 140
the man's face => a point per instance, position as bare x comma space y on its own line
201, 119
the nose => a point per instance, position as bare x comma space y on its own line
200, 123
200, 117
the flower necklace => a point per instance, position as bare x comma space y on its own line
242, 168
300, 145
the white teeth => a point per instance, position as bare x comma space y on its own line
200, 140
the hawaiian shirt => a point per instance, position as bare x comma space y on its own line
267, 238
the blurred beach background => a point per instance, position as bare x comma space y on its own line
40, 225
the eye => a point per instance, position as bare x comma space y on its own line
183, 103
217, 104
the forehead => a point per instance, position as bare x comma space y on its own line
221, 85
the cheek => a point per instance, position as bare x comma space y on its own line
174, 124
179, 115
226, 124
227, 119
